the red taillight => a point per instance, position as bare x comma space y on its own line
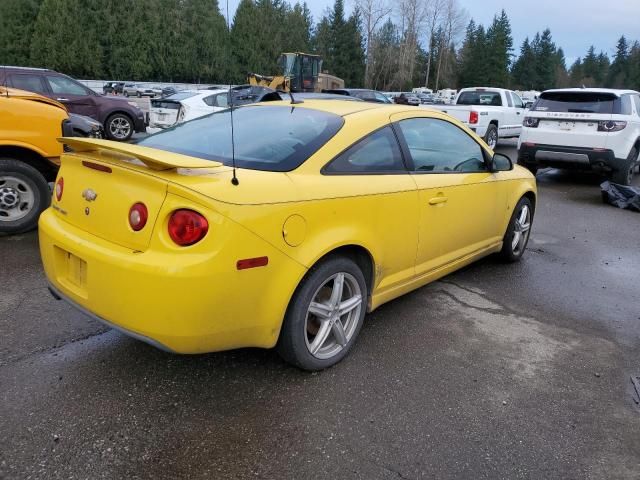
473, 117
59, 188
138, 216
187, 227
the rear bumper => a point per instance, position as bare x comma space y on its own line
192, 302
567, 157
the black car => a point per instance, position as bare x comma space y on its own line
361, 93
119, 118
168, 91
114, 88
85, 126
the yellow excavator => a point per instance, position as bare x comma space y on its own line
302, 72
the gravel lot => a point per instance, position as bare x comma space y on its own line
497, 372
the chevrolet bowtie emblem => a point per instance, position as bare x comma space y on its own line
89, 195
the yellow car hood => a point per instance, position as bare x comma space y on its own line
23, 94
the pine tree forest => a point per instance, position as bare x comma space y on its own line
382, 44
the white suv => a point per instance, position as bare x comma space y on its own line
585, 128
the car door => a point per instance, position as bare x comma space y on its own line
387, 197
75, 96
518, 106
461, 201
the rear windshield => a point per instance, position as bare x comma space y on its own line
272, 138
578, 102
480, 98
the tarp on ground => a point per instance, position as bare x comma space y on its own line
621, 196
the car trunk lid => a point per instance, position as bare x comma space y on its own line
102, 180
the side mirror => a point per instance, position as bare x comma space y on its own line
501, 163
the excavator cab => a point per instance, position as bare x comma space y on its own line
301, 70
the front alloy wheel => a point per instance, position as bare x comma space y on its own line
119, 127
325, 315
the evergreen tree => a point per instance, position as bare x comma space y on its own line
385, 57
499, 45
617, 75
561, 74
576, 73
65, 37
525, 74
633, 72
16, 29
546, 60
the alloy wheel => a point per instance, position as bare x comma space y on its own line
120, 128
521, 230
333, 315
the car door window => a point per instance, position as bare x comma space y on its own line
376, 153
30, 83
63, 85
210, 100
517, 101
509, 102
437, 146
221, 100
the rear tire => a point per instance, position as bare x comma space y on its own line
24, 194
491, 136
624, 176
516, 238
325, 315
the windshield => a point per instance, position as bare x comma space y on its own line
578, 102
480, 98
273, 138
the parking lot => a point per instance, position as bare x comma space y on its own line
497, 371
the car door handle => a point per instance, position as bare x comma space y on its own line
519, 113
62, 99
438, 200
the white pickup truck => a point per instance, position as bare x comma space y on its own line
493, 113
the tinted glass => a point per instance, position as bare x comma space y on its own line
30, 83
376, 153
381, 98
625, 105
440, 147
480, 98
271, 138
209, 100
63, 85
578, 102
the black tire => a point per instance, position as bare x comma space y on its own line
18, 178
490, 135
624, 176
293, 344
510, 252
112, 130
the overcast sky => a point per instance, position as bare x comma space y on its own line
574, 24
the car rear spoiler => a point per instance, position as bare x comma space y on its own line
153, 158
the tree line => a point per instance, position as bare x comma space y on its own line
381, 44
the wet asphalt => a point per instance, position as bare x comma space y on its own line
496, 372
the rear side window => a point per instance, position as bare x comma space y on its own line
65, 85
271, 138
480, 98
30, 83
517, 101
579, 102
376, 153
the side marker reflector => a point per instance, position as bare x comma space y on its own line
252, 263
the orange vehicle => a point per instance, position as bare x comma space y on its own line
29, 155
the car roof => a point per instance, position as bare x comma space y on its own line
593, 90
342, 108
12, 67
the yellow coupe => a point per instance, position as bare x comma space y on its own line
333, 209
